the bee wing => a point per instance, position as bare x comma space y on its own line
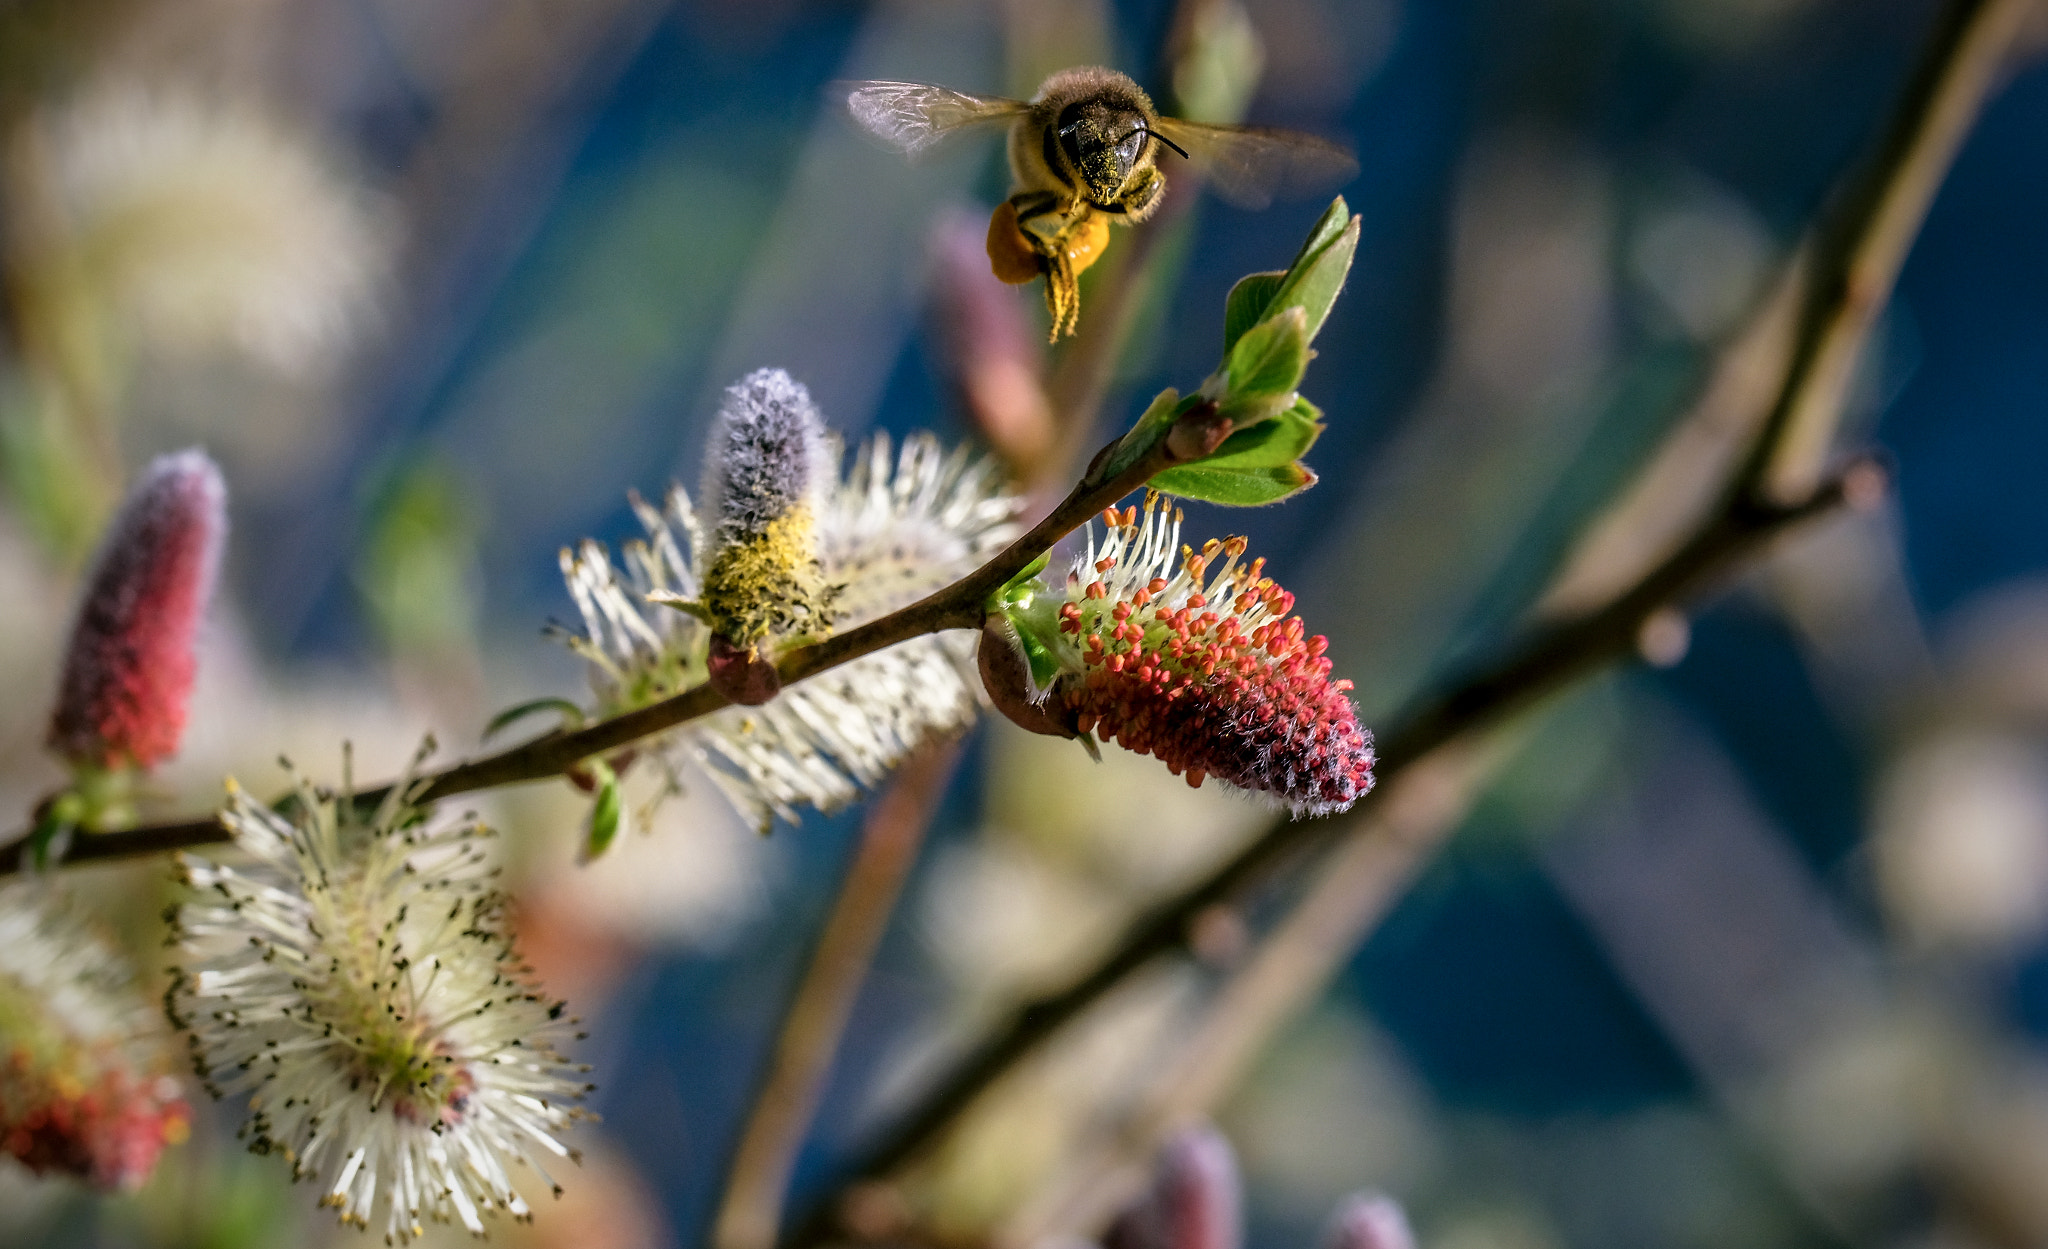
1249, 165
911, 116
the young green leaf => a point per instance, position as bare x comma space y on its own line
1019, 590
1267, 362
1235, 487
572, 715
1143, 436
1270, 444
1247, 304
604, 812
1325, 231
1039, 652
1314, 281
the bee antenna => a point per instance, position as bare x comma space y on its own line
1168, 142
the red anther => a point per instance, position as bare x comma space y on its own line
1141, 596
1120, 613
1110, 518
1317, 645
1157, 585
1198, 602
1096, 591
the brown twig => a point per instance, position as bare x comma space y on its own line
1856, 253
1853, 261
750, 1213
958, 606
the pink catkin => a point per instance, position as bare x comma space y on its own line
1194, 1201
89, 1117
129, 671
1369, 1221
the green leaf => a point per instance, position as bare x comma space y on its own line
1247, 304
1316, 278
1145, 435
1019, 589
1273, 443
1235, 487
1040, 653
572, 715
604, 813
1325, 231
51, 837
1268, 360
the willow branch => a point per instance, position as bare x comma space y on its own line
958, 606
1863, 241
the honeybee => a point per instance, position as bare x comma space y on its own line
1084, 152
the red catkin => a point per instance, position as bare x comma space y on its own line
129, 670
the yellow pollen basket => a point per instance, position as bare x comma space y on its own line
1061, 247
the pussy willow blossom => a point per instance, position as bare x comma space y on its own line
768, 469
899, 526
129, 669
1192, 656
85, 1088
356, 981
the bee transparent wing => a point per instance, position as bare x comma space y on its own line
1250, 165
911, 116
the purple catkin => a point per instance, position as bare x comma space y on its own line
129, 670
1369, 1221
1194, 1201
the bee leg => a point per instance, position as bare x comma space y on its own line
1065, 243
1062, 297
1141, 194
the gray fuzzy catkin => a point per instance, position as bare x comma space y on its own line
767, 455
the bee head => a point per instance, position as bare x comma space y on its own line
1104, 144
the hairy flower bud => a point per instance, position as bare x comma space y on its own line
128, 673
767, 467
1193, 657
1194, 1201
1369, 1221
85, 1088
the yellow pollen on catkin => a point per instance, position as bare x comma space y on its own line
769, 584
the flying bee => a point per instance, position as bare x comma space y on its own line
1084, 152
